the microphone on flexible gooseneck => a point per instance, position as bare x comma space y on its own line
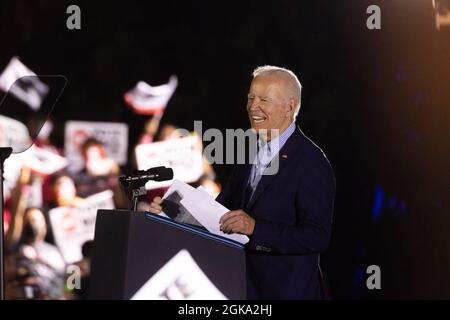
136, 182
139, 178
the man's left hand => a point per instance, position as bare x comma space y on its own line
237, 221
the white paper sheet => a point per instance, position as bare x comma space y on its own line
172, 208
208, 212
180, 187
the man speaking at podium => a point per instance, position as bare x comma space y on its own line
287, 214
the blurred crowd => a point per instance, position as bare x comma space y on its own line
35, 267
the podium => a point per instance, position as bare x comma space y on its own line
131, 247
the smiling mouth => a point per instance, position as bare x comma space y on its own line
258, 119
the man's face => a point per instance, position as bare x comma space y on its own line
268, 105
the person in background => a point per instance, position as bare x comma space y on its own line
85, 268
39, 268
63, 191
99, 173
27, 192
59, 191
96, 161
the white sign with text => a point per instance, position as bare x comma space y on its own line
113, 135
183, 155
72, 227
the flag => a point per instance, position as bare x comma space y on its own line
148, 100
39, 160
23, 84
43, 161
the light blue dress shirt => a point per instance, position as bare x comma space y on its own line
265, 154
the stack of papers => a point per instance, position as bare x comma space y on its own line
186, 204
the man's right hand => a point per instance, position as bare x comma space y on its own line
155, 206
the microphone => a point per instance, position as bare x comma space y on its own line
139, 178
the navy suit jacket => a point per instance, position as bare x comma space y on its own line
293, 210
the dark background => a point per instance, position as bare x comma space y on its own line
377, 102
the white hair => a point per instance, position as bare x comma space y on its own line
293, 84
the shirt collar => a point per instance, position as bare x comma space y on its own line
270, 149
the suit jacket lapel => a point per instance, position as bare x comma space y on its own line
285, 155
